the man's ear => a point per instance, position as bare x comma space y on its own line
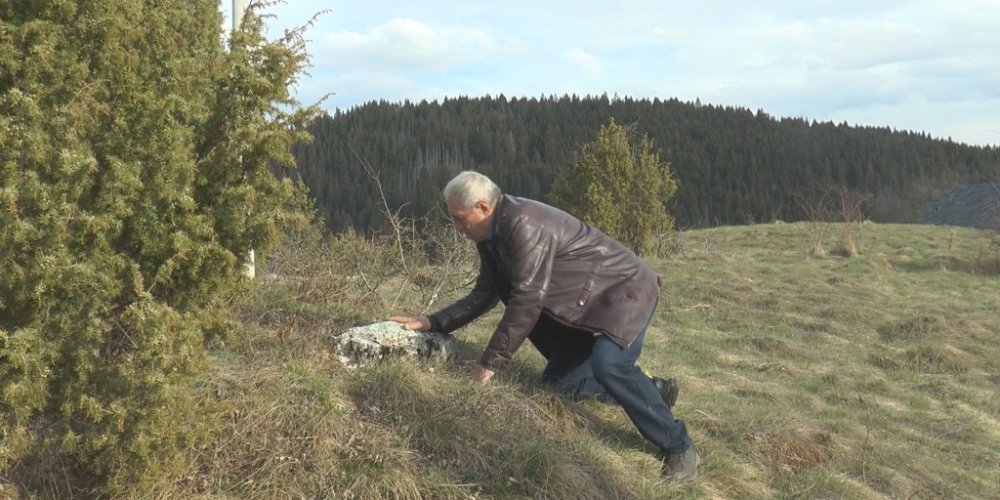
484, 207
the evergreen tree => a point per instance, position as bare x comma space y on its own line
619, 187
136, 158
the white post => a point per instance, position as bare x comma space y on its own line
250, 267
239, 7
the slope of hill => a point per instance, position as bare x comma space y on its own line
966, 205
802, 377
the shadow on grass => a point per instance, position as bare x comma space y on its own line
978, 266
526, 381
513, 438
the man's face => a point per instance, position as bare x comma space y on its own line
473, 221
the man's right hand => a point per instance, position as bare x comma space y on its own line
422, 323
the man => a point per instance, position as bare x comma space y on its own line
583, 299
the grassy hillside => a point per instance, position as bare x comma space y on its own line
802, 377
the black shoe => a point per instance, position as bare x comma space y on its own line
682, 466
669, 388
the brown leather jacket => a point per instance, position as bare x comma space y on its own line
548, 262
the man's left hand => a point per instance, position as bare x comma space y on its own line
483, 375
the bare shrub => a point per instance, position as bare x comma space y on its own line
712, 244
833, 204
309, 279
816, 207
432, 256
849, 211
988, 260
669, 245
450, 264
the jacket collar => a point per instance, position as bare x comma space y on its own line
493, 219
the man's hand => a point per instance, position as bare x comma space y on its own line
422, 323
483, 375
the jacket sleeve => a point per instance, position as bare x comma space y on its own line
532, 251
481, 299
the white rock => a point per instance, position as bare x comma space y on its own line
388, 340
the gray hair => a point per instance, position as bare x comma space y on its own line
469, 187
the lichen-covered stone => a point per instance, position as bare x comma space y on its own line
388, 340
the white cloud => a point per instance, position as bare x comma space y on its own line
922, 64
670, 35
405, 45
351, 89
585, 60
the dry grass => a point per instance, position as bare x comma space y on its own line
802, 376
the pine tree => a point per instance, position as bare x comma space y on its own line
136, 159
619, 187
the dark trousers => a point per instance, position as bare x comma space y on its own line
583, 365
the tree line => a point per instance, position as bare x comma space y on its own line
732, 165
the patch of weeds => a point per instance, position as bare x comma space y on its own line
839, 422
961, 434
772, 345
755, 395
929, 488
822, 385
812, 325
871, 384
778, 369
884, 361
794, 450
919, 402
942, 389
850, 314
914, 328
716, 426
819, 483
831, 379
935, 359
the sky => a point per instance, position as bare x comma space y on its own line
925, 66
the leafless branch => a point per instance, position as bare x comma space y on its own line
817, 210
392, 217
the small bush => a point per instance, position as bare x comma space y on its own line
621, 187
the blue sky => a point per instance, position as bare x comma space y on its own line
931, 66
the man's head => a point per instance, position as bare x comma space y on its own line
471, 198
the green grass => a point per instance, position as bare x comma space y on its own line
874, 376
